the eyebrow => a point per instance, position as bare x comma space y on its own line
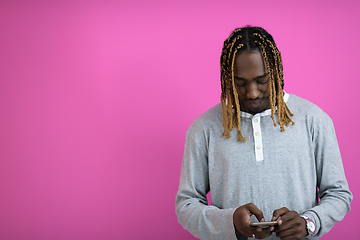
258, 77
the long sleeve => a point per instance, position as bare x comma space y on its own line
194, 214
333, 189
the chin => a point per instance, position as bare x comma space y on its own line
257, 110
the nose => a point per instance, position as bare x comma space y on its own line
252, 91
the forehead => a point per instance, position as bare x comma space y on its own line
249, 63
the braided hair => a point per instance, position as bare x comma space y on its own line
250, 39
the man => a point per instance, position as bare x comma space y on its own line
264, 154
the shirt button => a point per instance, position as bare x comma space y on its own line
257, 134
258, 147
255, 120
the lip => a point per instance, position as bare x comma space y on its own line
255, 104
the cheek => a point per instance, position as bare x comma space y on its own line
241, 92
265, 89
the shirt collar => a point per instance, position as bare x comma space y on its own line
267, 112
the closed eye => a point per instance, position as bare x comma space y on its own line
264, 81
240, 84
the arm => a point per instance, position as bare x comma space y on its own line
201, 220
335, 196
333, 189
194, 214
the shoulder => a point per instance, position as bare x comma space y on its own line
304, 107
305, 110
214, 114
208, 121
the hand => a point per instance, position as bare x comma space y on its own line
290, 225
242, 221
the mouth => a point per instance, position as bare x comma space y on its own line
255, 103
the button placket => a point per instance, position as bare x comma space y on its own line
257, 138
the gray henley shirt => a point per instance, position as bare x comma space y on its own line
272, 169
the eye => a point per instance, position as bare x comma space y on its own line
240, 83
263, 81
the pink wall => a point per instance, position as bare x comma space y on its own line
96, 97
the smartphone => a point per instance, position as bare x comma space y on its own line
259, 224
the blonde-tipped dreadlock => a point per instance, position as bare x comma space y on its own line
248, 39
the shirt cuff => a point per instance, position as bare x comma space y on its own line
313, 216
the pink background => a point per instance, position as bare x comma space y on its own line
96, 97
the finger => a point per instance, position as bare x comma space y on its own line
263, 233
242, 220
256, 211
278, 213
289, 216
290, 232
284, 234
293, 225
262, 229
284, 222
